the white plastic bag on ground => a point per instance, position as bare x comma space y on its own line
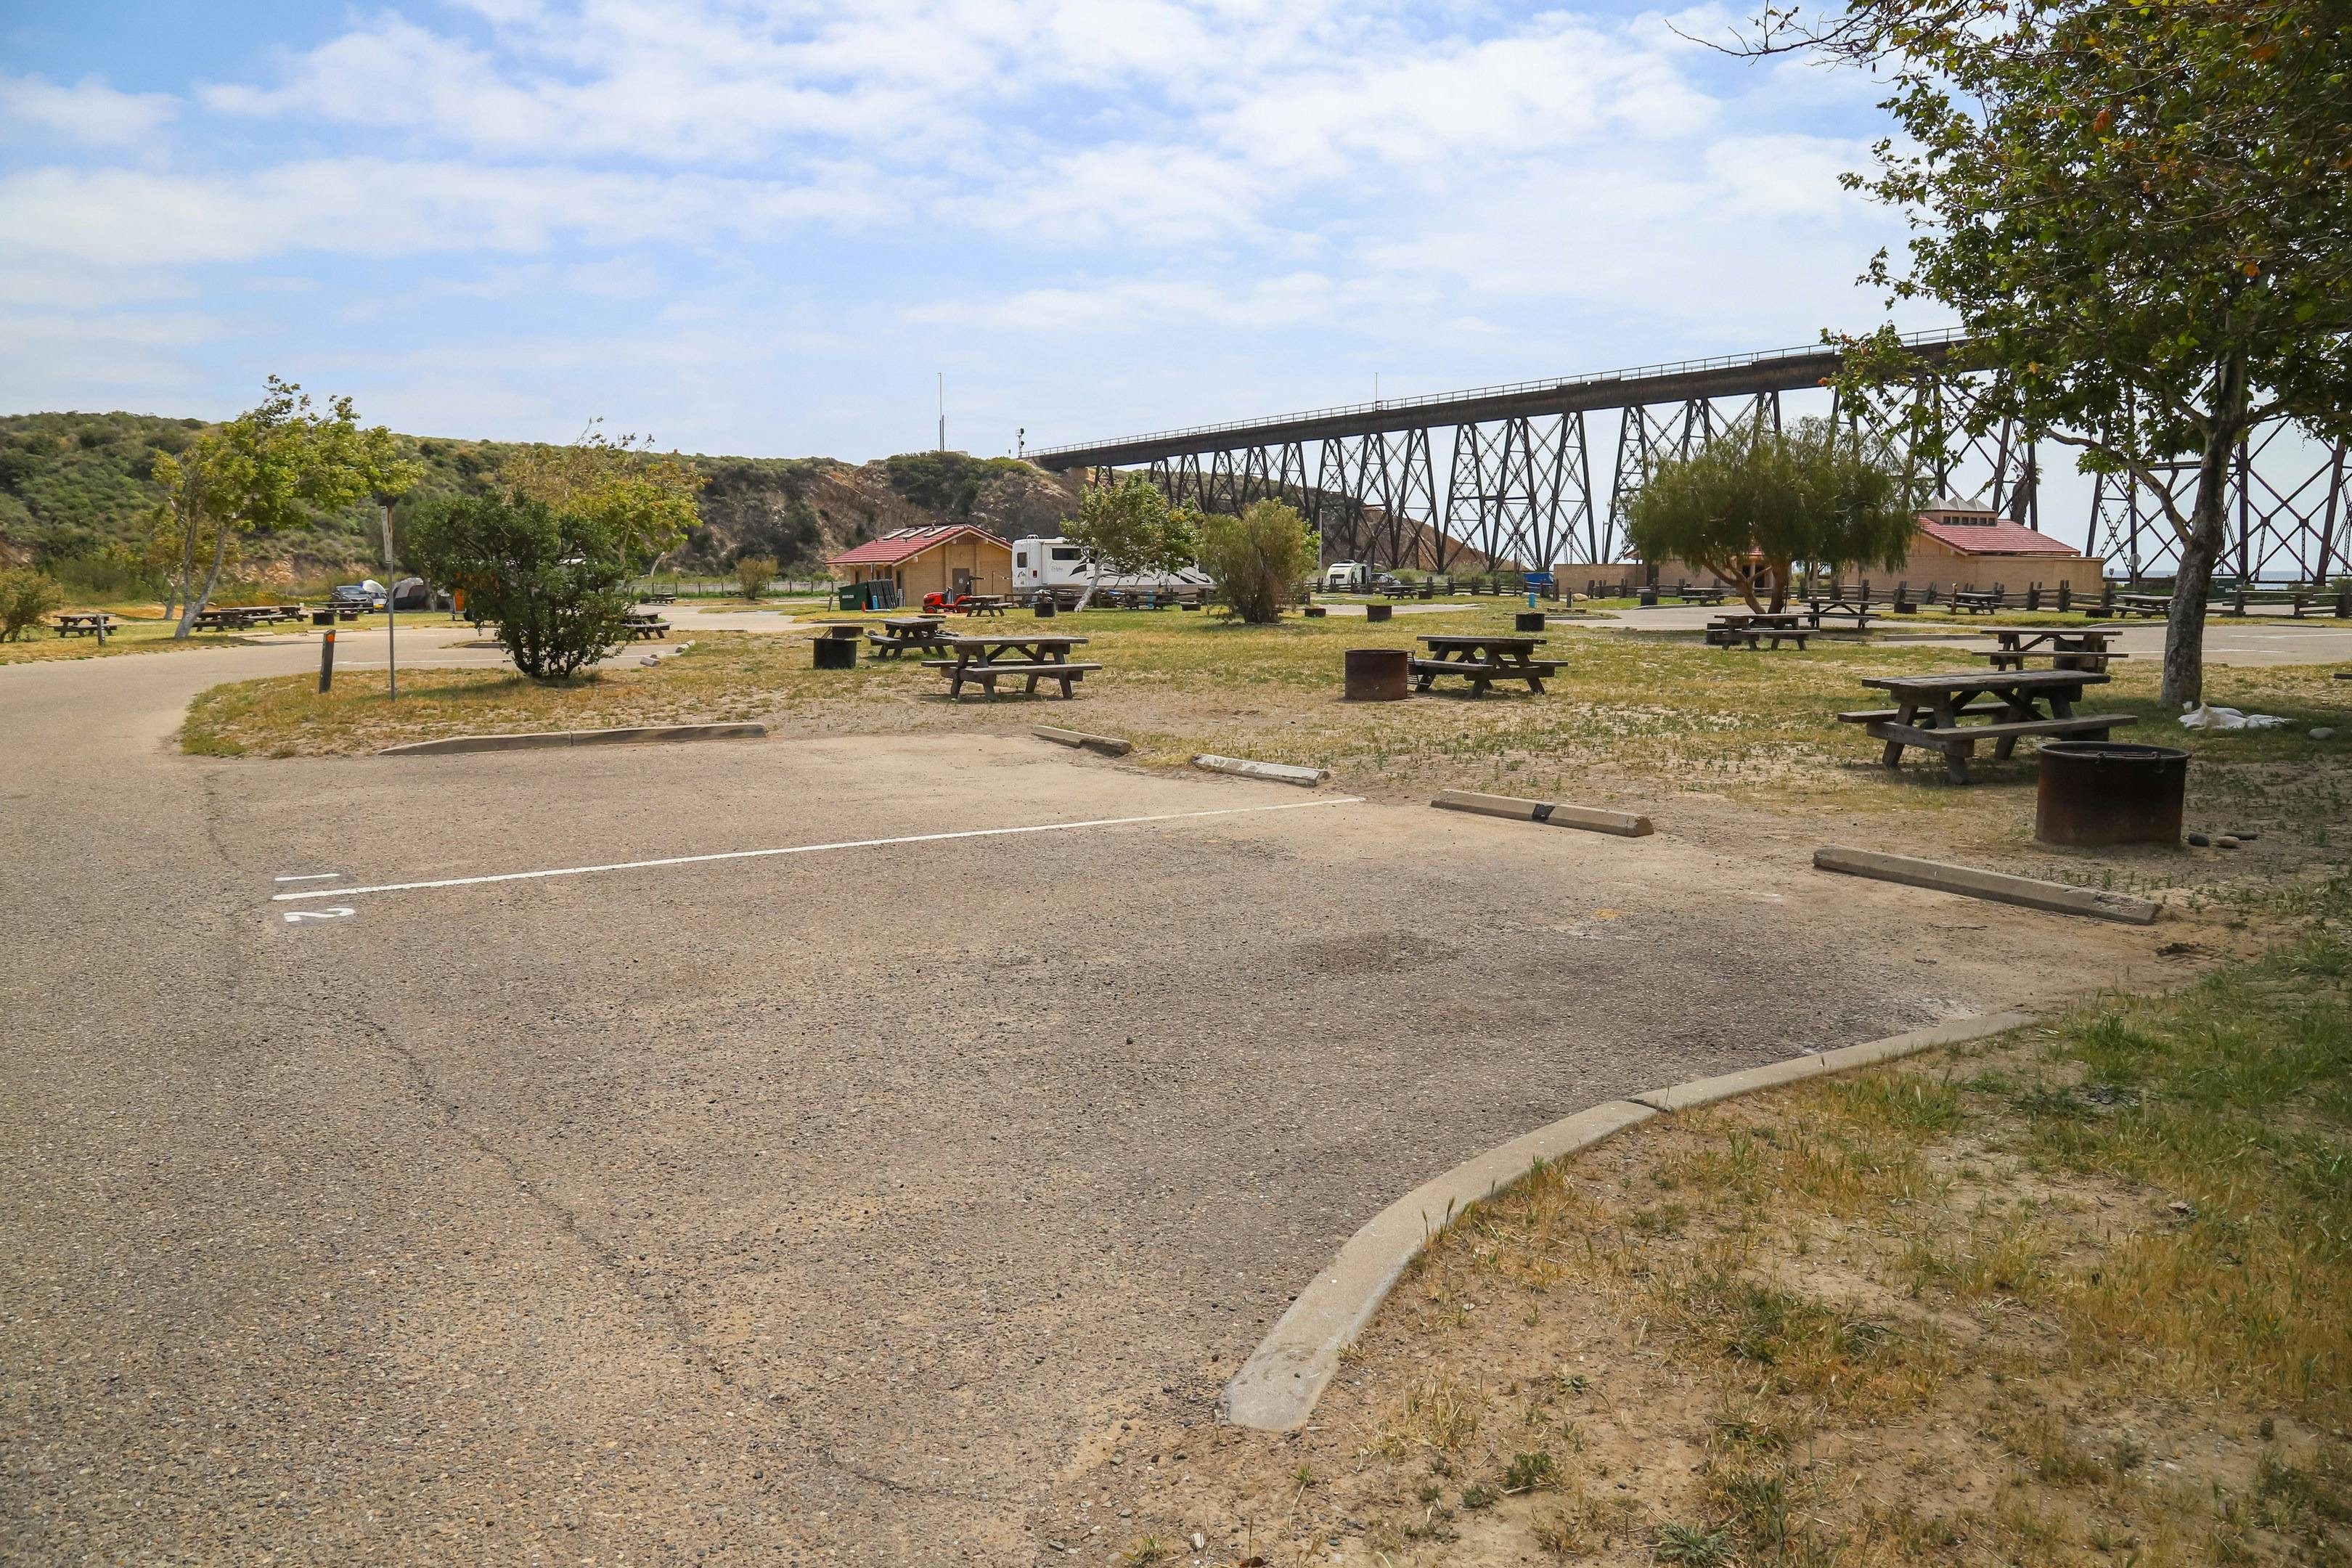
2204, 718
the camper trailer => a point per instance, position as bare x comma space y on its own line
1061, 566
1347, 577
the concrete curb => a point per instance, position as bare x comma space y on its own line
644, 732
1108, 745
2058, 898
1623, 824
1277, 1387
1273, 773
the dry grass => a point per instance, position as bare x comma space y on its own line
1630, 719
2081, 1295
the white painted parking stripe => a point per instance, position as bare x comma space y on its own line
810, 849
313, 877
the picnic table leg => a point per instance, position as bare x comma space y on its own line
1956, 759
1904, 710
1031, 690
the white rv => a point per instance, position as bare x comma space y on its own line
1059, 565
1347, 577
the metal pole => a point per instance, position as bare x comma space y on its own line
327, 662
391, 605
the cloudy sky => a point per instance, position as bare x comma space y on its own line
764, 227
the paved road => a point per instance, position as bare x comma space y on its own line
814, 1207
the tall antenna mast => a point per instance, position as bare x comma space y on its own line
943, 411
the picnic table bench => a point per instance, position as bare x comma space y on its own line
983, 661
1753, 628
1482, 658
980, 604
1977, 601
1690, 595
87, 624
1930, 710
2065, 648
2156, 606
907, 633
643, 627
658, 599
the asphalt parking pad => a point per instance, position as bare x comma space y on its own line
836, 1199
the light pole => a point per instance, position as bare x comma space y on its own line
391, 603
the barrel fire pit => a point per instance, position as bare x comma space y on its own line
1531, 620
2094, 792
1377, 612
835, 653
1376, 674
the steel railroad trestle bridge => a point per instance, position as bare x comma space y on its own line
1518, 473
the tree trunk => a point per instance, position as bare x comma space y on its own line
1780, 570
196, 605
1094, 581
2184, 636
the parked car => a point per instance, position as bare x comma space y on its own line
370, 593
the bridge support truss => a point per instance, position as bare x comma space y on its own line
1505, 476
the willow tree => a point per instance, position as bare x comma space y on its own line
2139, 213
1758, 501
278, 466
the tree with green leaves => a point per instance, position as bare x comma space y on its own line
1823, 494
1259, 558
641, 501
555, 583
1129, 529
275, 467
2139, 212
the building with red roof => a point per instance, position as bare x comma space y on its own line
950, 560
1972, 546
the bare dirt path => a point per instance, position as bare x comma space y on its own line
811, 1207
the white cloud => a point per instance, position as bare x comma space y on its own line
371, 207
89, 112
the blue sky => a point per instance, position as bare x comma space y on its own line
762, 227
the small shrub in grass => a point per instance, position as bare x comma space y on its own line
24, 598
1258, 558
754, 573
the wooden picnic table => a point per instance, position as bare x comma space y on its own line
907, 633
87, 624
1977, 601
1820, 608
1936, 712
980, 604
1755, 630
1482, 658
983, 661
2067, 648
2156, 606
643, 627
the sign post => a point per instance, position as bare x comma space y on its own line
327, 661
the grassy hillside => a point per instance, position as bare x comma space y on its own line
76, 491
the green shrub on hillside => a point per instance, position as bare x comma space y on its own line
945, 481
